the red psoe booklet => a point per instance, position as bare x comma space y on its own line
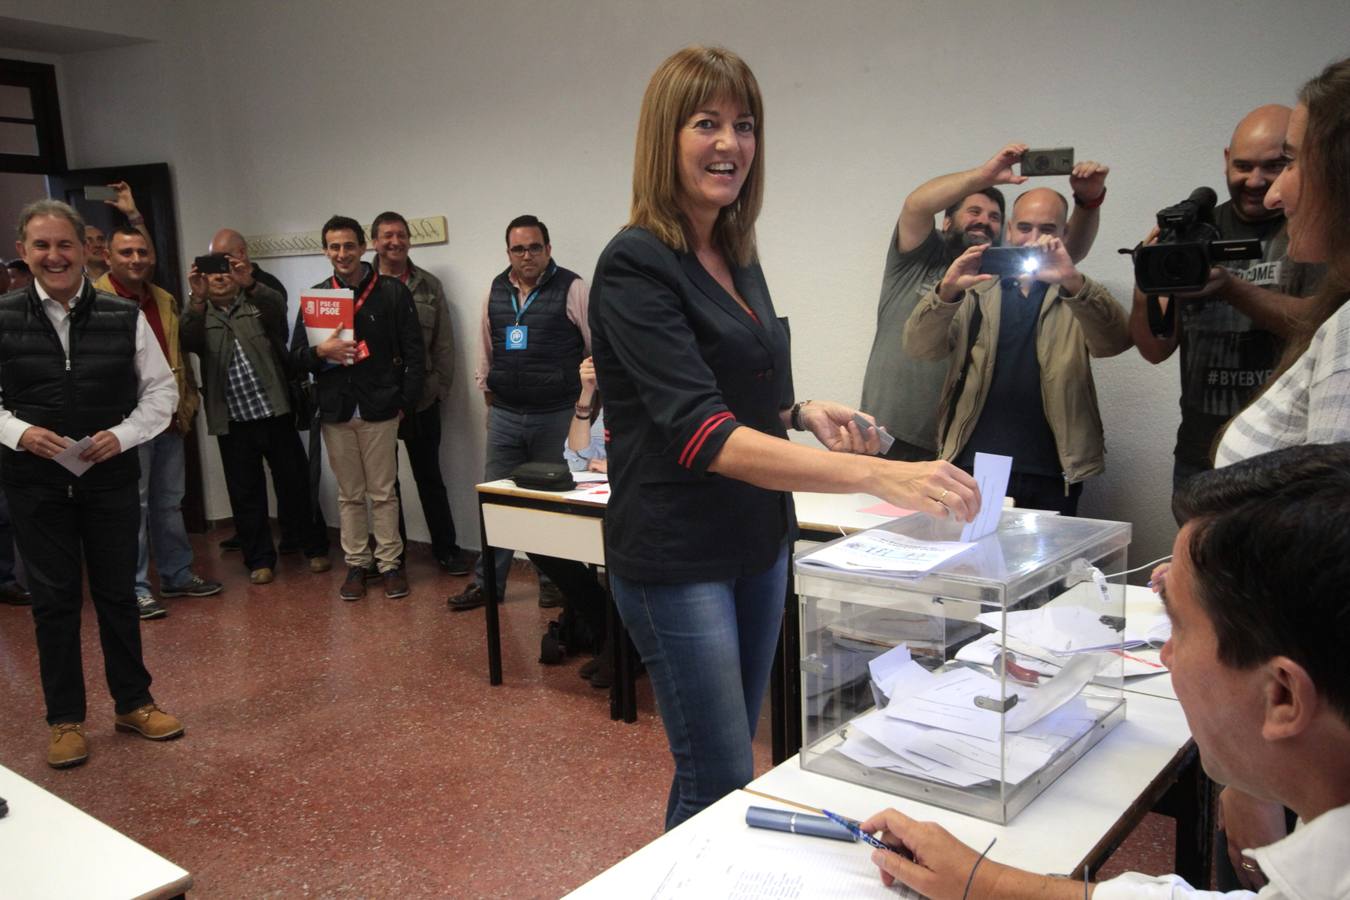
324, 310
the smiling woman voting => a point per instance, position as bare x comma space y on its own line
694, 365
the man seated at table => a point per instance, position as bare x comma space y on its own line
1256, 595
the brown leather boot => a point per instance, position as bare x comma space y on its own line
67, 747
151, 722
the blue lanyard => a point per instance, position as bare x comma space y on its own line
528, 300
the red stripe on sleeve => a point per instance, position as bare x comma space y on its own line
700, 437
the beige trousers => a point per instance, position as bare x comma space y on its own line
364, 459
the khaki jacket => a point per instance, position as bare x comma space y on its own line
433, 315
1070, 330
188, 398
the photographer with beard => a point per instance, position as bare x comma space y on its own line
901, 390
1230, 332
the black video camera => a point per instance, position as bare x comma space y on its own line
1188, 246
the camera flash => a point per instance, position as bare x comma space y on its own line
1030, 264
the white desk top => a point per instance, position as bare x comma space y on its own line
830, 512
48, 848
1052, 835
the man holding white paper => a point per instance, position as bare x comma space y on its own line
76, 364
367, 384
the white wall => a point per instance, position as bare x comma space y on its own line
481, 111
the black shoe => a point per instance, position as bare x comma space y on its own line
603, 676
15, 595
150, 609
471, 597
588, 668
550, 596
195, 586
395, 584
460, 562
231, 545
354, 587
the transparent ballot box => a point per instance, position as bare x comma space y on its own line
971, 686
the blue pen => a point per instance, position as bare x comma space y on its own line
863, 836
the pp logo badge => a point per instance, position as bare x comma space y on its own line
517, 337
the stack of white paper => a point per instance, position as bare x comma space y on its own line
884, 553
931, 727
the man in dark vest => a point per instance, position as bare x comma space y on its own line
534, 337
76, 363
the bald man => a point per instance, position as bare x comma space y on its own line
1019, 381
95, 252
1230, 332
232, 243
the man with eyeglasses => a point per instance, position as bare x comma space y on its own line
534, 337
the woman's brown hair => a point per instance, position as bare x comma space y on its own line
1324, 189
680, 86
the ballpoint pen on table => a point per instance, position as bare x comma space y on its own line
863, 836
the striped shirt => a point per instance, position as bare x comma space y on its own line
1308, 404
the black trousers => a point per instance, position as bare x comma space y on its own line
581, 590
242, 454
421, 434
55, 525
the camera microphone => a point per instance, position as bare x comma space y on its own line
1204, 199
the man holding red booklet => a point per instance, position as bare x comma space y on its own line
365, 385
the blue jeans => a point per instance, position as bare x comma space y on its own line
708, 648
162, 485
513, 439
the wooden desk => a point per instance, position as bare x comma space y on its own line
1071, 828
50, 849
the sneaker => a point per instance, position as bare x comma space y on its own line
195, 586
231, 545
320, 564
471, 597
550, 596
261, 576
66, 746
459, 562
150, 608
15, 594
395, 584
354, 588
151, 722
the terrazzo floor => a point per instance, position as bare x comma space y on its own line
356, 749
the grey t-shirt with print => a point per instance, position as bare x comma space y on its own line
1225, 357
901, 391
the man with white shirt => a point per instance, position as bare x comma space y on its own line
77, 363
1256, 595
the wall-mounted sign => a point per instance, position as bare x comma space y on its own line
426, 230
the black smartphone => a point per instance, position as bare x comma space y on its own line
98, 192
1053, 161
212, 264
1010, 262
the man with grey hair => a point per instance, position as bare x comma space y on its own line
61, 334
